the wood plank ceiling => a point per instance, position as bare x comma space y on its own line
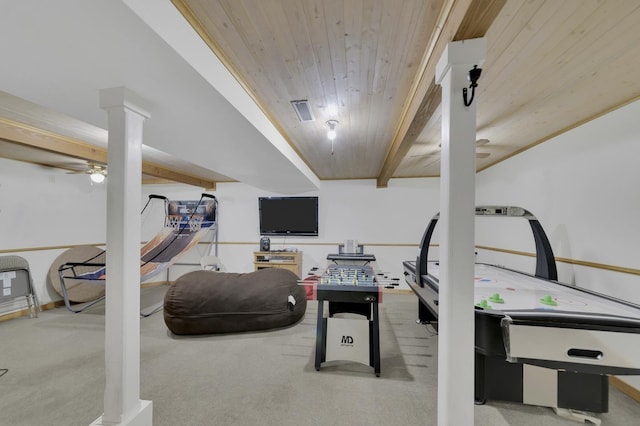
369, 64
551, 65
354, 61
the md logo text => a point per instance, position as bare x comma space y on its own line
346, 341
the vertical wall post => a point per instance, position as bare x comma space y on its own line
122, 404
457, 215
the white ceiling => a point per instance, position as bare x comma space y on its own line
62, 53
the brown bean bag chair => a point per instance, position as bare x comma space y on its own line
205, 302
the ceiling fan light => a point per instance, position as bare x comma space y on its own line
97, 177
331, 134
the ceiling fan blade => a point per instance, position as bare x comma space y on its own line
482, 154
89, 169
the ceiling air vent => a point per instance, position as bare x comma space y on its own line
303, 110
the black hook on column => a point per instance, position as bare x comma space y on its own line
474, 76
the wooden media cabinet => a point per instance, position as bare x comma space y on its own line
291, 260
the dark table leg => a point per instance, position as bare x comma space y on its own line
376, 341
320, 333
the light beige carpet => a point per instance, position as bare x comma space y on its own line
56, 375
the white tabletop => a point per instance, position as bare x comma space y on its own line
523, 292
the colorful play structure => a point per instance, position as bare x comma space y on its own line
186, 225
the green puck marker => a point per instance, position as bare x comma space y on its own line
496, 298
483, 304
548, 300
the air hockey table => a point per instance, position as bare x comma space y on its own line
537, 341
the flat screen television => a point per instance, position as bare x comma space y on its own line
288, 215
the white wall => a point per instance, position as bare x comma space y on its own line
583, 187
389, 222
45, 207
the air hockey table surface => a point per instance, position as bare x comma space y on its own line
506, 290
546, 323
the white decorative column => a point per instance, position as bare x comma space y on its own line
122, 404
457, 215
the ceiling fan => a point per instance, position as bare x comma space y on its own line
96, 172
479, 142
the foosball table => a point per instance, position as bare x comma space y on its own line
348, 289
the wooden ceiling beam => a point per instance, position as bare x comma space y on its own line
44, 140
463, 20
163, 172
33, 137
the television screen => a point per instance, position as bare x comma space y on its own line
288, 215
